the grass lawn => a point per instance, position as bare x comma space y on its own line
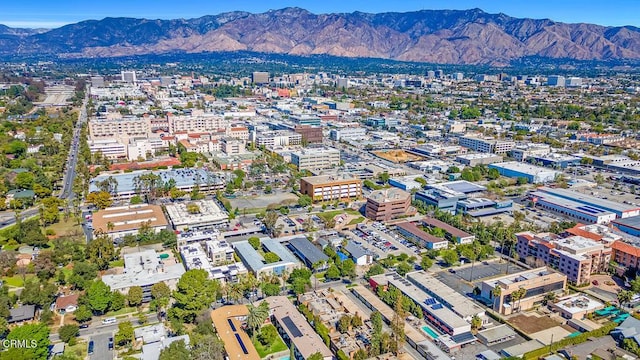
330, 214
277, 346
78, 350
124, 310
66, 228
356, 221
16, 280
116, 263
11, 247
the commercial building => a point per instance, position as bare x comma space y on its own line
117, 126
359, 255
486, 145
523, 152
256, 263
388, 204
295, 330
447, 196
194, 257
556, 161
196, 215
232, 146
196, 122
496, 335
144, 269
577, 257
570, 208
331, 187
479, 207
316, 159
576, 306
536, 282
556, 80
456, 302
406, 183
310, 134
412, 232
110, 148
228, 322
621, 210
437, 315
185, 180
347, 133
260, 77
533, 174
310, 255
629, 225
453, 234
117, 222
478, 159
277, 138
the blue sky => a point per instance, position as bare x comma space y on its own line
48, 13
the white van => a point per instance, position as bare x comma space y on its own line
108, 321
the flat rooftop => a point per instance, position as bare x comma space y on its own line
632, 222
523, 276
578, 303
209, 212
305, 339
523, 168
463, 186
131, 217
144, 268
308, 250
389, 195
588, 210
328, 179
589, 200
183, 178
254, 261
457, 302
452, 230
227, 321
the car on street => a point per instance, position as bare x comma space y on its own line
90, 347
595, 282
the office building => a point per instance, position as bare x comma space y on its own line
145, 268
256, 263
573, 209
194, 257
260, 77
310, 134
331, 187
523, 152
295, 330
196, 122
117, 126
117, 222
231, 146
629, 225
316, 159
128, 77
577, 257
621, 210
196, 215
573, 82
556, 80
536, 282
486, 145
478, 159
270, 139
533, 174
576, 306
453, 234
97, 81
351, 133
109, 147
412, 232
388, 204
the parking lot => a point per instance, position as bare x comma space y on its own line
101, 347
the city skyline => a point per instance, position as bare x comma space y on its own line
52, 15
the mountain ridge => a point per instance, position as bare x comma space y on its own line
436, 36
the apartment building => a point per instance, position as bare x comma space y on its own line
231, 146
117, 126
196, 122
316, 159
577, 257
388, 204
331, 187
487, 145
238, 132
535, 282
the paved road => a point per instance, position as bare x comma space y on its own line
97, 328
10, 217
70, 173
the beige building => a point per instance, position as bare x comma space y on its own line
116, 126
388, 204
514, 292
119, 221
316, 159
331, 187
198, 121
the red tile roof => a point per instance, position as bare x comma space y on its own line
626, 248
63, 301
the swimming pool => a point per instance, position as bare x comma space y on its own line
430, 332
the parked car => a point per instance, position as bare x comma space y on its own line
595, 282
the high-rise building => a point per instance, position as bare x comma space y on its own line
260, 77
128, 77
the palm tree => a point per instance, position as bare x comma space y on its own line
256, 317
496, 292
523, 293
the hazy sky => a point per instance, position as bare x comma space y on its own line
48, 13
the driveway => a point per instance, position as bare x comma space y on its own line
101, 347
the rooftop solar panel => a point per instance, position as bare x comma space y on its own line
436, 306
233, 327
244, 348
293, 329
463, 338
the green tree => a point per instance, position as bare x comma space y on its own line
426, 262
315, 356
375, 269
271, 257
118, 301
304, 201
397, 323
177, 350
256, 317
124, 336
136, 199
268, 334
24, 180
270, 289
195, 291
348, 268
384, 177
35, 335
476, 322
68, 332
134, 296
160, 291
450, 257
100, 199
82, 314
99, 296
101, 251
254, 241
332, 273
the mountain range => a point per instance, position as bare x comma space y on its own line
436, 36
